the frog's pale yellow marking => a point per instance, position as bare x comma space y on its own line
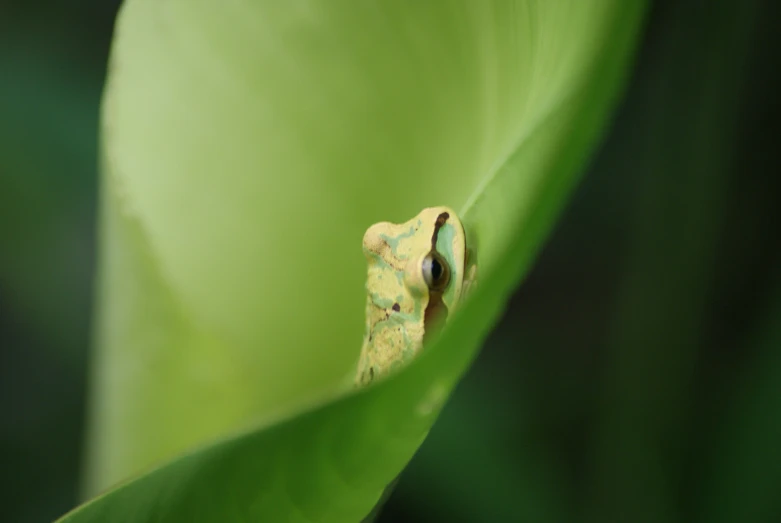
418, 273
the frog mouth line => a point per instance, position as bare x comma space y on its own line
436, 310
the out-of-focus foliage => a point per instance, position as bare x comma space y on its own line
52, 62
550, 415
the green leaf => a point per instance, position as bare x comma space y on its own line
247, 147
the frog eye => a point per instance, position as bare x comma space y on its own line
436, 271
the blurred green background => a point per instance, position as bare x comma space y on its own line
636, 375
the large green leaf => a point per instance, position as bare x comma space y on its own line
247, 147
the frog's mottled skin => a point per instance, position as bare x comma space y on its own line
399, 305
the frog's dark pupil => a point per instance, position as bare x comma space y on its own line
436, 269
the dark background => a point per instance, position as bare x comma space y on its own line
636, 375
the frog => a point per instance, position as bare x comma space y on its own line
419, 273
